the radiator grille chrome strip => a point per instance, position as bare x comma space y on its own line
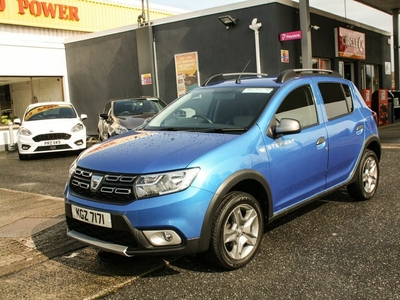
114, 188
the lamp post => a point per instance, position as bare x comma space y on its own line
256, 26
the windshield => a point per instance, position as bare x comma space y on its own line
214, 109
128, 107
52, 111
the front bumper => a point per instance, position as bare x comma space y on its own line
26, 144
122, 239
134, 224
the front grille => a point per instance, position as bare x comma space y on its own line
102, 187
52, 147
52, 136
113, 236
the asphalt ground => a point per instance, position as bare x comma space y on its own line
334, 248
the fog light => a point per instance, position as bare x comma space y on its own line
167, 236
25, 147
162, 237
79, 143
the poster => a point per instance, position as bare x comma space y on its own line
388, 68
285, 56
146, 79
186, 72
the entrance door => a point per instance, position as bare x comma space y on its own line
349, 71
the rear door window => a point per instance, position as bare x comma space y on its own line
337, 99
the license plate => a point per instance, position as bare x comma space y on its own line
91, 216
51, 143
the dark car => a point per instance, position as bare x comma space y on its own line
121, 115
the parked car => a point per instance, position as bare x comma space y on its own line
218, 164
50, 127
6, 113
121, 115
6, 116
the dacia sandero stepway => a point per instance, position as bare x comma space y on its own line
218, 164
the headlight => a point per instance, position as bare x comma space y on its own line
24, 131
72, 168
77, 127
164, 183
119, 129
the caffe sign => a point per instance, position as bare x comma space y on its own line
349, 43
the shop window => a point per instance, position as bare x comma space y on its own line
321, 63
370, 77
337, 99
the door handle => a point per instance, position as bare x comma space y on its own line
359, 129
321, 140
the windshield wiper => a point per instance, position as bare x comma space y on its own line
192, 129
222, 130
167, 129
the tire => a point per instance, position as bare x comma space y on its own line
236, 231
23, 156
367, 180
100, 136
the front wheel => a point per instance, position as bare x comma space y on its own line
367, 177
237, 231
22, 156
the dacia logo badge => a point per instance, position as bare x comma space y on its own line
95, 182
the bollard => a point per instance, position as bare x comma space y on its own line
11, 132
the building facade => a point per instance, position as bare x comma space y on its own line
180, 52
32, 53
61, 52
32, 33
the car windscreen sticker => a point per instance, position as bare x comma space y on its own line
41, 109
258, 90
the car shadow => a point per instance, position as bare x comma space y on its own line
55, 244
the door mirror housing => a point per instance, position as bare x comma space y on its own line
104, 116
287, 126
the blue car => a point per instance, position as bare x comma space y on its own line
218, 164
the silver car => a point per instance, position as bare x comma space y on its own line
121, 115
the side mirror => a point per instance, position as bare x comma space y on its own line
104, 116
287, 126
17, 121
83, 117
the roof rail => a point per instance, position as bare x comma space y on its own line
295, 73
226, 76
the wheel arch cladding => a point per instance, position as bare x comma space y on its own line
249, 181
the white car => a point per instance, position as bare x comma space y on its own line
50, 127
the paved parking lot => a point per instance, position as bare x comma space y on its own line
332, 249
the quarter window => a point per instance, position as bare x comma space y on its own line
337, 99
299, 105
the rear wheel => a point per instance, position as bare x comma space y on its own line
237, 231
367, 179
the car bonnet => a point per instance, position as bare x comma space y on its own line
150, 151
133, 121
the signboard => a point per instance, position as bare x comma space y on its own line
186, 72
383, 107
367, 95
78, 15
349, 43
290, 36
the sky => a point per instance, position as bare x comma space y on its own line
345, 8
